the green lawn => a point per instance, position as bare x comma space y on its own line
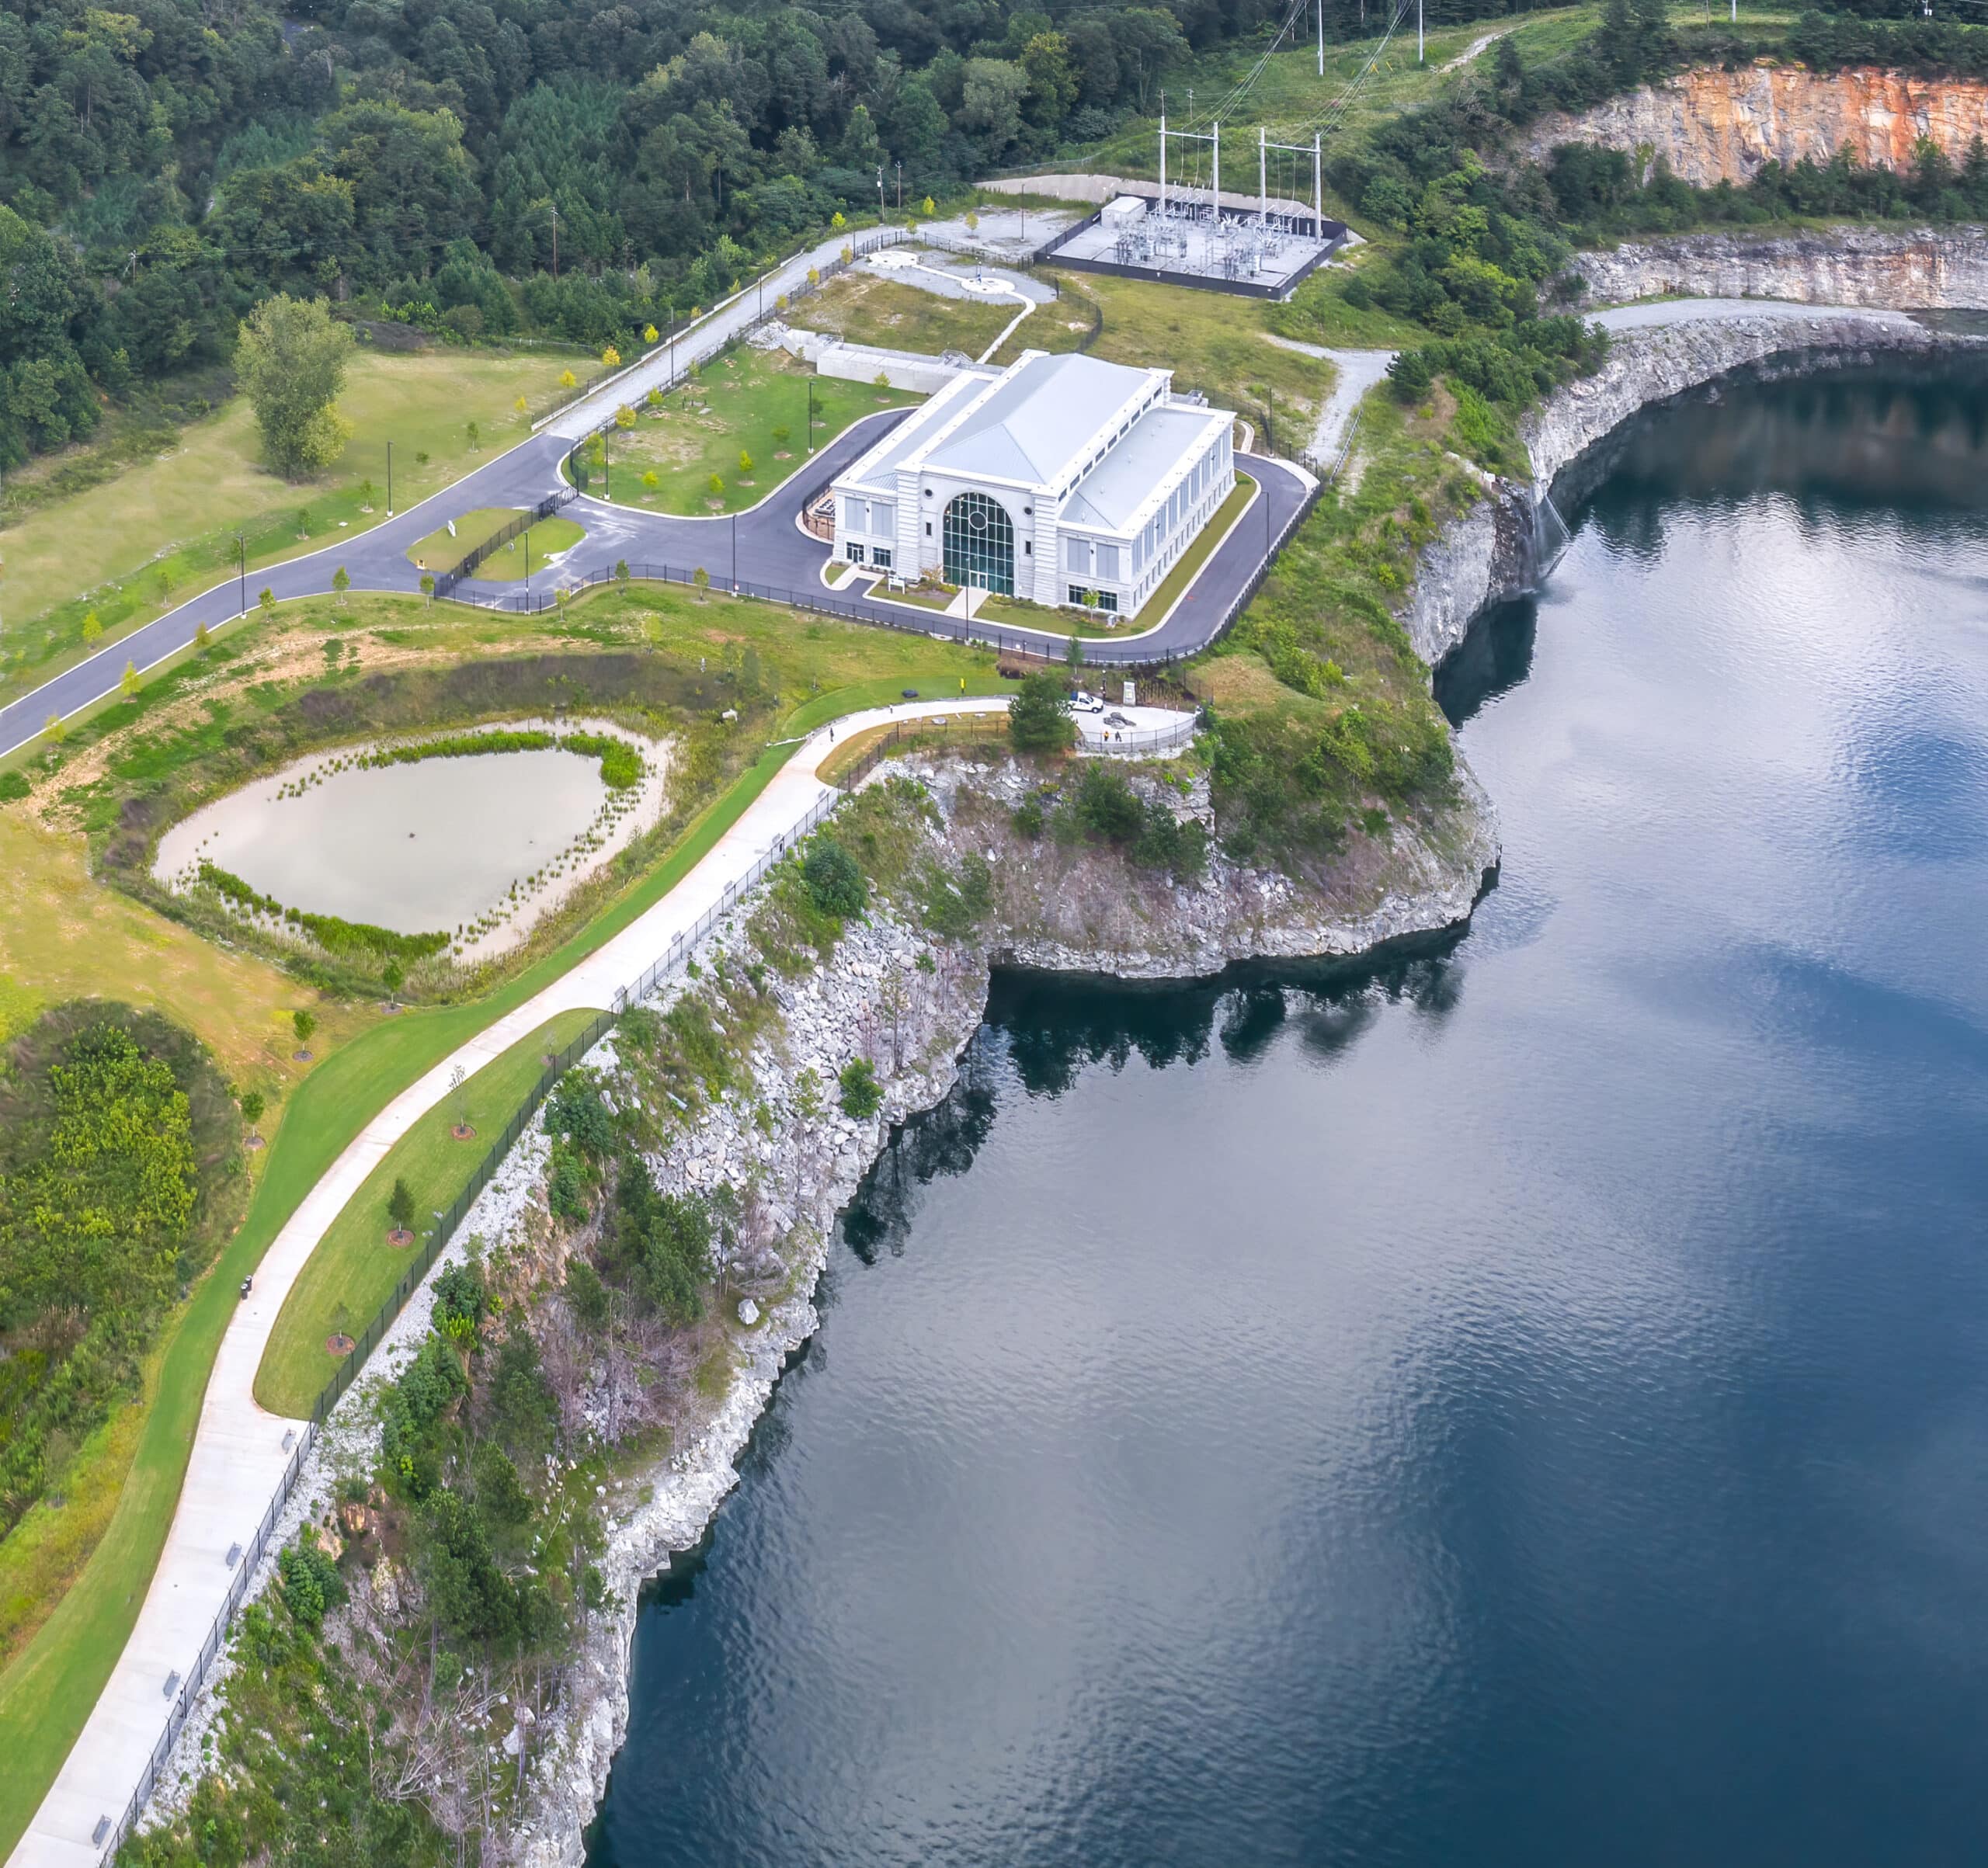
862, 307
439, 550
1212, 342
734, 406
354, 1268
157, 533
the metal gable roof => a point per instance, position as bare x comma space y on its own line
1033, 425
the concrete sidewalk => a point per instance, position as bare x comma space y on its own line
239, 1451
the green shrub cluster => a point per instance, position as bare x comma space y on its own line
1099, 804
120, 1168
346, 938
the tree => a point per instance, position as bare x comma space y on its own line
1073, 651
291, 357
474, 435
836, 222
625, 417
252, 1105
834, 883
341, 582
304, 1023
780, 436
400, 1206
54, 730
201, 638
620, 570
702, 579
716, 486
268, 601
744, 462
520, 408
568, 380
1039, 713
928, 207
655, 398
610, 356
650, 334
391, 977
650, 481
128, 683
92, 626
862, 1097
428, 585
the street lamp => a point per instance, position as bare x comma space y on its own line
811, 414
241, 555
390, 480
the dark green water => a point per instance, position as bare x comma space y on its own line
1526, 1404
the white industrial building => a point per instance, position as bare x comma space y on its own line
1063, 479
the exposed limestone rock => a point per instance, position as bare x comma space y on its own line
1711, 125
1916, 270
1487, 556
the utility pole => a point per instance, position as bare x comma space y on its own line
1215, 193
1263, 179
555, 240
1419, 40
1318, 190
900, 188
1163, 155
1322, 37
880, 191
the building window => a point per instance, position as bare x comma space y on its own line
1107, 562
881, 558
979, 540
928, 528
1093, 599
855, 552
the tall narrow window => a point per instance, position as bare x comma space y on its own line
980, 544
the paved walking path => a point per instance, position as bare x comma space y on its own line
239, 1453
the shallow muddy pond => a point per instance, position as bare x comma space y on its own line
437, 845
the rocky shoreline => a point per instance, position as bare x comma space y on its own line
1491, 553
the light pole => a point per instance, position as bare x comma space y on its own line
811, 414
735, 554
527, 571
242, 556
606, 480
390, 480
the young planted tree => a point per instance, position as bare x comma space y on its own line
304, 1023
127, 684
1039, 713
744, 462
702, 579
341, 583
252, 1105
92, 626
400, 1210
291, 356
625, 417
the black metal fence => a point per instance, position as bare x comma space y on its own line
446, 581
435, 1242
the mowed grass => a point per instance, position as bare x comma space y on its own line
1218, 345
732, 408
440, 550
160, 532
859, 308
355, 1267
828, 669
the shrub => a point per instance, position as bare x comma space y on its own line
862, 1097
310, 1581
13, 787
835, 884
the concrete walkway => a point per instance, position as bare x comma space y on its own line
1355, 372
239, 1450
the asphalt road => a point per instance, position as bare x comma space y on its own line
773, 555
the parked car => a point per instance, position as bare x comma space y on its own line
1083, 703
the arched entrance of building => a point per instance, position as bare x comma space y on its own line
980, 544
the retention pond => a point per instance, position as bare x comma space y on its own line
482, 843
1521, 1403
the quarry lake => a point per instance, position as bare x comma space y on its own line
1523, 1402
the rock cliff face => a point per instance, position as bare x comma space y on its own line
1489, 555
1719, 126
1916, 269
